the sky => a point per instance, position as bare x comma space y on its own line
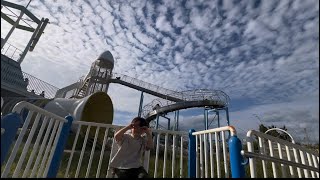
263, 53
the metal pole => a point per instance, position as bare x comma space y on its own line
176, 116
235, 147
192, 155
13, 27
11, 30
34, 38
217, 112
227, 113
205, 118
157, 121
140, 104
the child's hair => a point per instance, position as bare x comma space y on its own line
142, 121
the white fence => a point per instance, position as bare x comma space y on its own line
92, 146
46, 127
287, 159
211, 148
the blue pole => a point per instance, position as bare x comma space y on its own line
217, 112
205, 119
227, 113
54, 166
192, 155
157, 122
235, 147
140, 104
177, 120
10, 123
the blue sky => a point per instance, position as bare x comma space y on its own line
263, 54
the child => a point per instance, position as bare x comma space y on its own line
127, 160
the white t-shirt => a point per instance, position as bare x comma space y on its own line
130, 151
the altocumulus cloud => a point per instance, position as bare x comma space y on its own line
261, 53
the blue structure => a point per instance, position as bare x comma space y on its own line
54, 166
235, 147
192, 155
10, 123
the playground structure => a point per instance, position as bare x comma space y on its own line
60, 133
210, 153
98, 80
48, 149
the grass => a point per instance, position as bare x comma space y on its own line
103, 172
94, 166
82, 171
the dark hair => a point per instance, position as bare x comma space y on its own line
142, 121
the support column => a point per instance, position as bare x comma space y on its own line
227, 114
192, 155
140, 104
11, 30
36, 35
217, 113
176, 117
205, 118
157, 121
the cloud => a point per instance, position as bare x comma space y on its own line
163, 25
262, 52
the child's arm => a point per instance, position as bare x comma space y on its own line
119, 135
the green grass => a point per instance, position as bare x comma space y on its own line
95, 162
103, 171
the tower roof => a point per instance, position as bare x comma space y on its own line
106, 59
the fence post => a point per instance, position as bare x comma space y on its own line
10, 123
235, 147
192, 155
54, 166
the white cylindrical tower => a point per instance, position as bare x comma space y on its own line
100, 73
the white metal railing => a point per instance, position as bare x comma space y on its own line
176, 147
143, 84
95, 141
218, 96
39, 86
211, 147
22, 81
287, 159
47, 127
11, 51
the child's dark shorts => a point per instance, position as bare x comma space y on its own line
130, 173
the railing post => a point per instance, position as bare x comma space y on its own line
235, 147
10, 123
192, 155
54, 166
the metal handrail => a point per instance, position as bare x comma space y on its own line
39, 85
190, 95
282, 161
29, 83
11, 51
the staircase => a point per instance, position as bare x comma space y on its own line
83, 90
